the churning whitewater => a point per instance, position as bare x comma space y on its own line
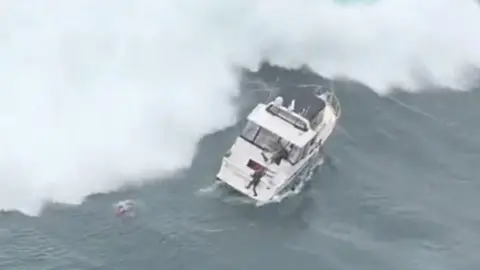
96, 95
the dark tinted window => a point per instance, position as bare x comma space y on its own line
287, 117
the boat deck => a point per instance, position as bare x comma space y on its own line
239, 180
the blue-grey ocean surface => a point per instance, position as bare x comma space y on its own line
400, 190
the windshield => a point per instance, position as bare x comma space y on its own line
260, 137
269, 141
287, 117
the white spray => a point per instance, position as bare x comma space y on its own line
97, 94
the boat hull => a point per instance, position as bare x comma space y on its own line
266, 194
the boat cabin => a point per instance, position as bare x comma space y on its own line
279, 142
275, 129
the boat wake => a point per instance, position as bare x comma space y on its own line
305, 179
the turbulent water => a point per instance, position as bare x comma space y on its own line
139, 100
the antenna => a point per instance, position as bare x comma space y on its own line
273, 91
292, 105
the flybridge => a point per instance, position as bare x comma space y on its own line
288, 117
282, 121
305, 112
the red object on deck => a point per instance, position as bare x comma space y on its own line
255, 165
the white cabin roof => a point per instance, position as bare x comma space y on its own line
277, 125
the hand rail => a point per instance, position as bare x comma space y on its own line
329, 96
269, 173
333, 100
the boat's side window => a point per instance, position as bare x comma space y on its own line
295, 154
266, 140
310, 146
250, 131
260, 137
287, 116
306, 149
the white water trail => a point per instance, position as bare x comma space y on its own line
98, 94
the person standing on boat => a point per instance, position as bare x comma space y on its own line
256, 176
279, 156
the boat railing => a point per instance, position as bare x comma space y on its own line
333, 100
267, 181
329, 96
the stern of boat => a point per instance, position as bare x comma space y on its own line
239, 179
237, 167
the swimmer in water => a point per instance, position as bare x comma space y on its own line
120, 210
124, 208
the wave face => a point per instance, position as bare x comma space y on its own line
98, 95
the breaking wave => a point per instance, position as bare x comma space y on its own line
96, 95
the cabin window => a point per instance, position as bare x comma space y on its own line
260, 137
306, 148
287, 117
250, 131
295, 154
267, 140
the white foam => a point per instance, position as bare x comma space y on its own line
97, 94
